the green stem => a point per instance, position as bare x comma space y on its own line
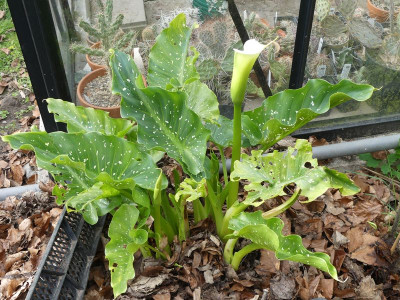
157, 223
281, 208
223, 160
183, 222
228, 250
216, 209
230, 213
158, 252
199, 211
238, 256
236, 149
167, 229
145, 251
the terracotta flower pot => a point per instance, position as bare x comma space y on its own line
377, 13
90, 41
92, 64
114, 111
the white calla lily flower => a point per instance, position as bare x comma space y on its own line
243, 63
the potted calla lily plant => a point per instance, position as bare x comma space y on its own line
104, 165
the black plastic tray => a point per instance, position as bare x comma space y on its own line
64, 268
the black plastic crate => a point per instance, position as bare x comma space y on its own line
64, 269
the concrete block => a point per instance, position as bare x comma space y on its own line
133, 11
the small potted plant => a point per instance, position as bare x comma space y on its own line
108, 34
94, 89
114, 171
380, 9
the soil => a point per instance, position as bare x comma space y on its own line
100, 60
98, 93
382, 5
20, 116
332, 224
26, 226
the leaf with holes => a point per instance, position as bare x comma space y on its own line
165, 122
287, 111
280, 169
191, 190
267, 234
82, 119
80, 160
125, 240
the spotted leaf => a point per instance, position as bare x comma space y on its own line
270, 174
125, 240
165, 122
287, 111
267, 234
83, 119
171, 66
80, 160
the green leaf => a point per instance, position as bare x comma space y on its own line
164, 120
222, 132
191, 190
268, 235
279, 169
370, 160
171, 67
80, 160
82, 119
125, 240
93, 202
202, 100
168, 57
287, 111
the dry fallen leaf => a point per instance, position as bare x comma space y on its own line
369, 290
5, 50
3, 86
268, 263
326, 285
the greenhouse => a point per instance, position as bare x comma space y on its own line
199, 149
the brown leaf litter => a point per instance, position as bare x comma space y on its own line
26, 224
332, 224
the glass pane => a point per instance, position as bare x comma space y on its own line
350, 40
214, 39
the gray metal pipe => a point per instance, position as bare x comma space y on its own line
17, 190
378, 143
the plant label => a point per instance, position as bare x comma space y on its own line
269, 77
321, 42
276, 18
321, 71
346, 71
333, 57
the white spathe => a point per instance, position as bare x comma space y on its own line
243, 63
